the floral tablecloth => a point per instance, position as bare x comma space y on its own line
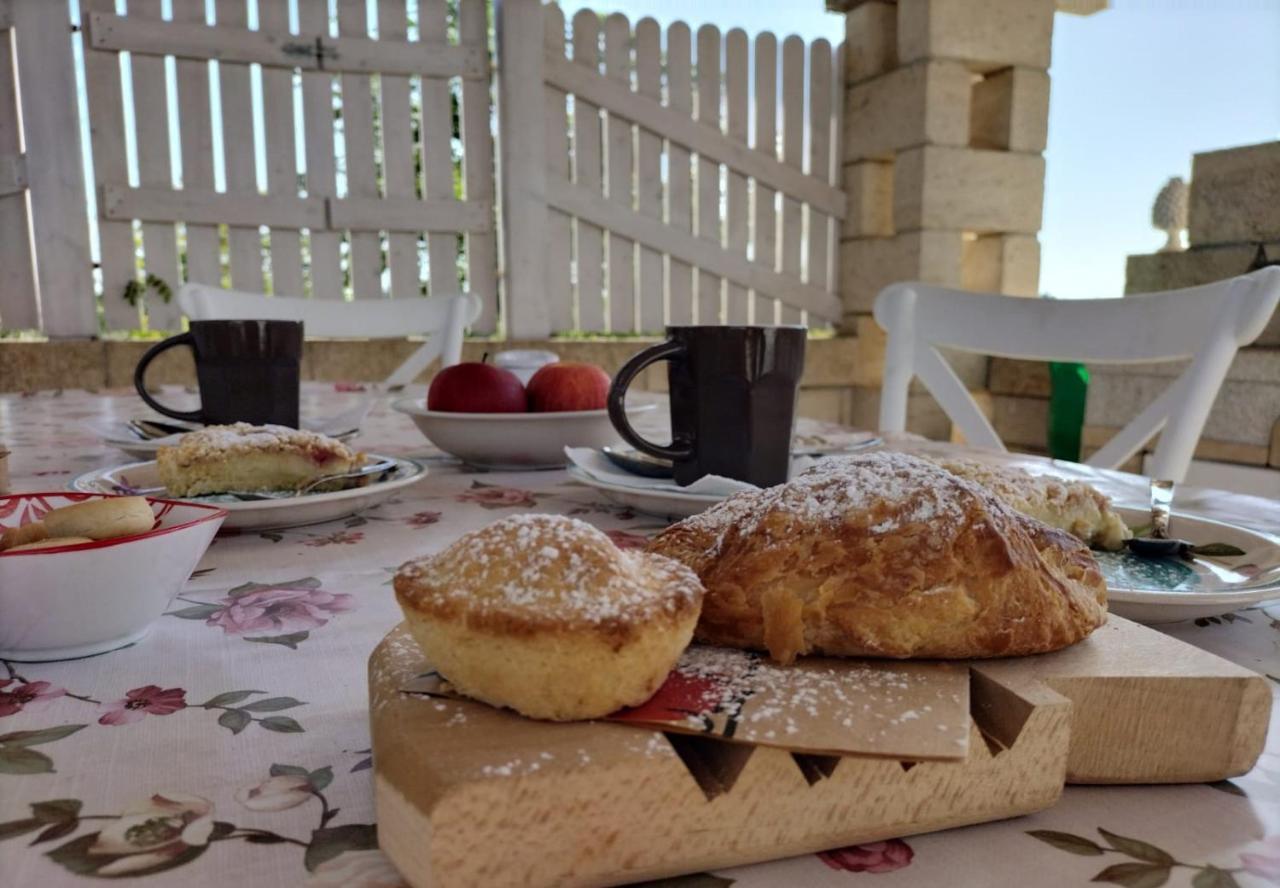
231, 745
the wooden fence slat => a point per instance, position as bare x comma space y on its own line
737, 309
649, 175
709, 300
19, 309
282, 165
765, 239
524, 169
836, 174
793, 156
679, 184
106, 128
408, 214
820, 109
477, 169
240, 210
559, 242
584, 203
204, 252
151, 114
692, 135
397, 152
622, 296
244, 241
358, 134
586, 150
324, 247
437, 151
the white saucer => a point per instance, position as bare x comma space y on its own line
266, 514
663, 503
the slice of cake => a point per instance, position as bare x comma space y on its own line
243, 457
1073, 506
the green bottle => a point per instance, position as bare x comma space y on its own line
1069, 384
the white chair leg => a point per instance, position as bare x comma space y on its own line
895, 311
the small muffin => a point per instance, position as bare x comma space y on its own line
544, 614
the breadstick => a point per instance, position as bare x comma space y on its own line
27, 533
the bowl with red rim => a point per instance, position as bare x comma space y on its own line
88, 598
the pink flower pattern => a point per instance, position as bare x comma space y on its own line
283, 608
1265, 863
497, 497
25, 695
140, 702
422, 519
874, 857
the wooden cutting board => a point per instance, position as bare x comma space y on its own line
467, 794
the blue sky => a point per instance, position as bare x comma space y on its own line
1136, 91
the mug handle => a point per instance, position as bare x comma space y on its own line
141, 370
663, 351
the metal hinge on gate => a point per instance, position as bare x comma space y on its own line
316, 49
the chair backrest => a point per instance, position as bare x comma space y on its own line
443, 319
1207, 324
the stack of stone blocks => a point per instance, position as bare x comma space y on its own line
1234, 208
945, 118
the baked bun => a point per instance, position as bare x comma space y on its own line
102, 519
1072, 506
544, 614
885, 555
53, 543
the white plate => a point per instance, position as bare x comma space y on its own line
1165, 590
121, 438
268, 514
514, 441
663, 503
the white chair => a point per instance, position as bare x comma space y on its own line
1206, 324
444, 318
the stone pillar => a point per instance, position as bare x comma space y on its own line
945, 118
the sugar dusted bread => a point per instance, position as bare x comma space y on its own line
243, 457
1072, 506
885, 555
544, 614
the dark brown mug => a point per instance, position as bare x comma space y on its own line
247, 370
733, 401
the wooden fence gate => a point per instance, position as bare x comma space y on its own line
633, 196
375, 196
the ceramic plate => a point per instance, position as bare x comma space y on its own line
663, 503
1164, 590
267, 514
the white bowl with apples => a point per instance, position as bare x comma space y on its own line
485, 416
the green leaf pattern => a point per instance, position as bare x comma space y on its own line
1149, 866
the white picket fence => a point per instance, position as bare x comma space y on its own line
647, 178
636, 197
321, 231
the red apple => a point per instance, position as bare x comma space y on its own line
568, 385
476, 388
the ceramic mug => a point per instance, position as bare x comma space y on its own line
247, 370
733, 398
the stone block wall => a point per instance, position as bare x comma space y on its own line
1234, 208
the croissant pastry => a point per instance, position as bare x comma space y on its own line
885, 555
